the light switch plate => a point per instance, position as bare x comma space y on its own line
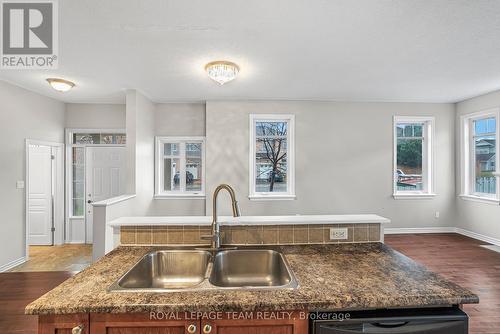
340, 233
20, 184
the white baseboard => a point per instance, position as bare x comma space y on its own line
418, 230
458, 230
12, 264
478, 236
75, 242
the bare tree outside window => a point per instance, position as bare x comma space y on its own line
271, 156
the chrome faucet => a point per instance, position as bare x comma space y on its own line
215, 236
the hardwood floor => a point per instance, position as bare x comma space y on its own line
461, 260
19, 289
69, 257
456, 257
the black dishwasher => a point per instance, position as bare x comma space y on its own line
401, 321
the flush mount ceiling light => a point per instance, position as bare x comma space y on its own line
222, 71
60, 85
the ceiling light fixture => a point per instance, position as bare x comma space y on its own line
222, 71
60, 85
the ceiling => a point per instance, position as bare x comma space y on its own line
363, 50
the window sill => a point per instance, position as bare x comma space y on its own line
413, 196
487, 200
76, 217
272, 197
179, 196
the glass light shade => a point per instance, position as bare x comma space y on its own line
60, 85
222, 71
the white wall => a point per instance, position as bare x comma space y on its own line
344, 157
480, 218
124, 207
23, 114
95, 116
180, 119
140, 124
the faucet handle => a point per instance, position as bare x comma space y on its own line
214, 239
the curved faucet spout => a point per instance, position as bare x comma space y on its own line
234, 202
215, 237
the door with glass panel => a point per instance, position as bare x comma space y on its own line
105, 178
78, 141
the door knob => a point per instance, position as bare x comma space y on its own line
207, 329
191, 329
77, 330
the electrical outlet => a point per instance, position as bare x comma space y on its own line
436, 215
20, 184
339, 233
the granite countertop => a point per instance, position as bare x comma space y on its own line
331, 277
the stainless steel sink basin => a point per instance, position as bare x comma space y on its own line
171, 269
251, 269
197, 270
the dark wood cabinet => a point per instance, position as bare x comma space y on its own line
64, 324
99, 323
140, 324
295, 324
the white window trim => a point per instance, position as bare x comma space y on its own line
178, 194
466, 161
428, 179
413, 195
479, 199
69, 162
262, 196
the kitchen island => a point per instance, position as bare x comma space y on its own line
336, 277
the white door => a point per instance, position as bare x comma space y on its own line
105, 177
39, 204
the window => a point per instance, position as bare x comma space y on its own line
413, 157
78, 172
77, 141
479, 156
180, 163
272, 157
99, 138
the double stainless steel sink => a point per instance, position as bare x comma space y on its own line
195, 270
